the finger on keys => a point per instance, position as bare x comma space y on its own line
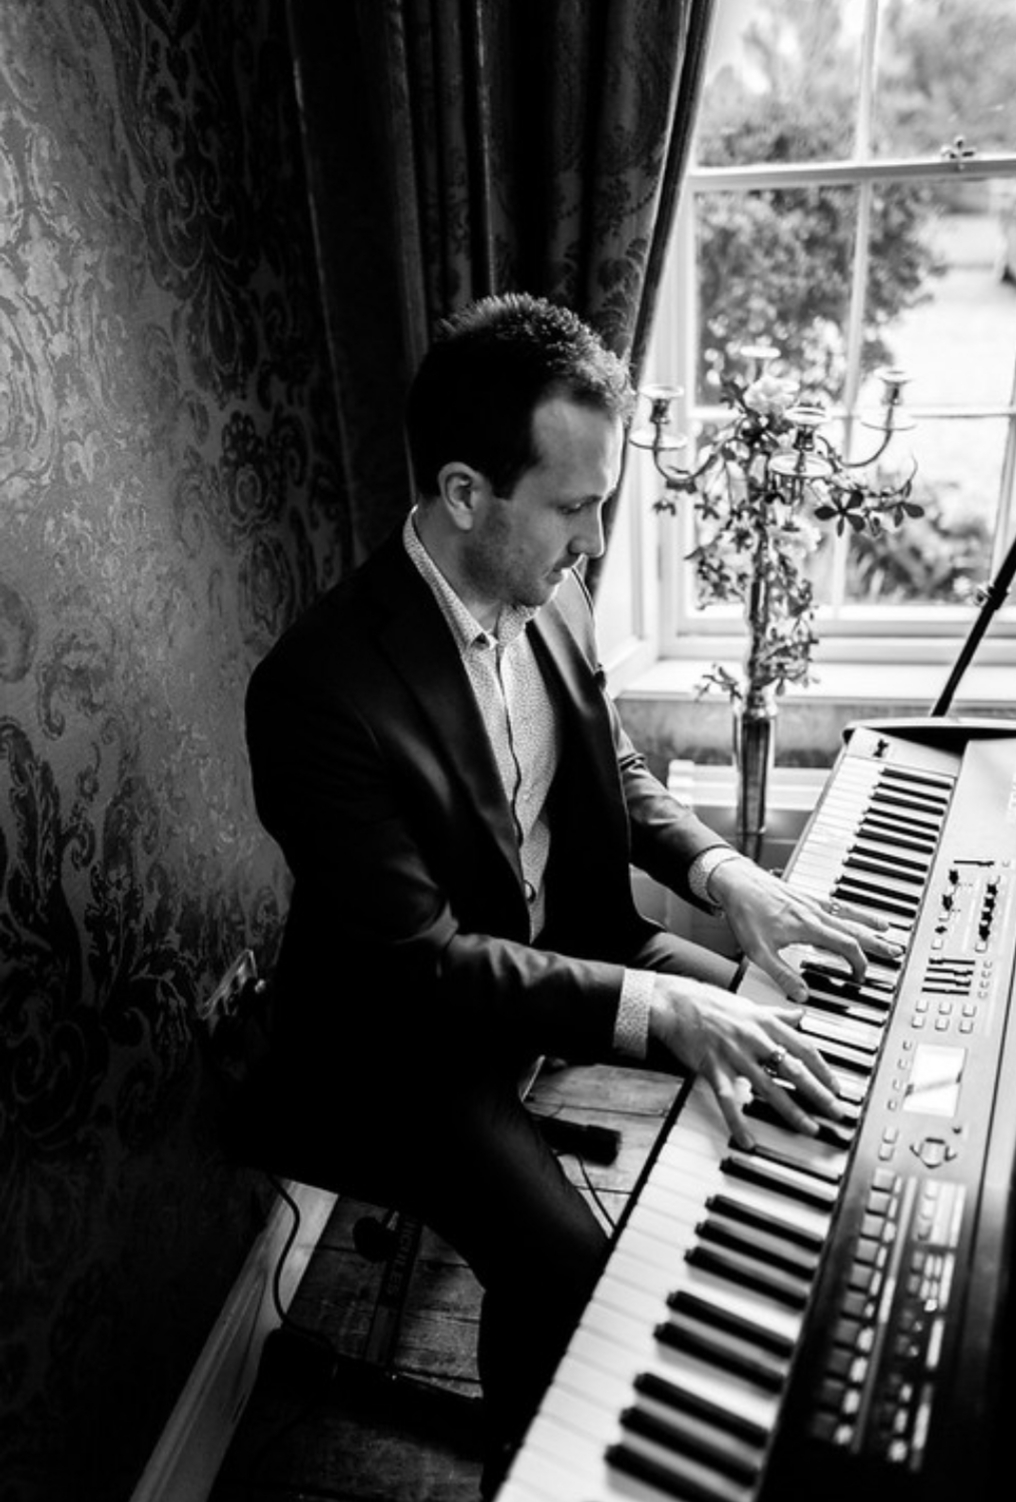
802, 1054
731, 1100
779, 969
783, 1092
813, 1082
866, 927
783, 1103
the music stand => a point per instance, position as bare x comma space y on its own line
992, 596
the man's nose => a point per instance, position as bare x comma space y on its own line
589, 538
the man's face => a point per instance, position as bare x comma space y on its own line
522, 544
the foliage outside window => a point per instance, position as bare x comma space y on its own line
823, 215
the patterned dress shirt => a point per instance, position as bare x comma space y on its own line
521, 722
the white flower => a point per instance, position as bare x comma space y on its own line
797, 539
770, 396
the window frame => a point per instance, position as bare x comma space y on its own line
918, 633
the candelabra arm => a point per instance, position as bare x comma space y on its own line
887, 438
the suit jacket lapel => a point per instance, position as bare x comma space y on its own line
419, 645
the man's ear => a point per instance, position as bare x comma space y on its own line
460, 488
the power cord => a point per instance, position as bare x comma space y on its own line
587, 1143
290, 1342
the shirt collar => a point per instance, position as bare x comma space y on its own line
465, 627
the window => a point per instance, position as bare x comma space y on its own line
851, 199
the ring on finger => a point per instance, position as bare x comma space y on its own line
773, 1063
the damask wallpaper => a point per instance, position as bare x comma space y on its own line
169, 499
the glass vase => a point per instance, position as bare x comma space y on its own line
754, 749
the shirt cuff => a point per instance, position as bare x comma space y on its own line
702, 868
631, 1026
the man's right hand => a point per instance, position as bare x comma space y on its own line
727, 1038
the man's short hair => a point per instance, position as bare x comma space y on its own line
487, 370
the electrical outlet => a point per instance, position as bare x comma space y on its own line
223, 1001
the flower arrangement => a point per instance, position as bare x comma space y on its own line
763, 488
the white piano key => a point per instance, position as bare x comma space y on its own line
599, 1348
575, 1469
821, 1157
700, 1173
608, 1396
746, 1304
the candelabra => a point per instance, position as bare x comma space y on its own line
759, 487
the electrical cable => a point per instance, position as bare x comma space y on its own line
285, 1319
594, 1192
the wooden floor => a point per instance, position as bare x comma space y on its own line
311, 1436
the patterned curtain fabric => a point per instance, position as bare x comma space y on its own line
532, 145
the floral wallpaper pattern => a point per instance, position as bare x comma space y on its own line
169, 500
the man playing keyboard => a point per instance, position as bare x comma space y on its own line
433, 747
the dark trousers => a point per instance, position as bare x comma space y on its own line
483, 1178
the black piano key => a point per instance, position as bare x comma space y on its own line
755, 1368
643, 1468
755, 1170
890, 790
738, 1209
873, 990
871, 908
888, 851
930, 812
683, 1301
834, 1029
839, 1056
671, 1394
862, 895
850, 1093
747, 1272
877, 987
799, 1162
698, 1447
885, 879
836, 1006
861, 892
936, 798
911, 776
920, 844
884, 869
761, 1245
833, 1133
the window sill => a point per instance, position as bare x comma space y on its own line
666, 719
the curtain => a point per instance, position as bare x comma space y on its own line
485, 146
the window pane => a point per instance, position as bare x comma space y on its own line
953, 326
943, 556
775, 266
781, 82
946, 70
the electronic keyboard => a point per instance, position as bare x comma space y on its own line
823, 1315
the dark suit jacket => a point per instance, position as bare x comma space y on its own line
407, 936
